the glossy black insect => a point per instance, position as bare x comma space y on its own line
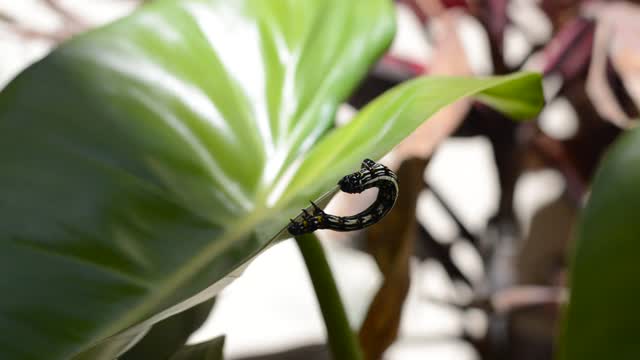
371, 174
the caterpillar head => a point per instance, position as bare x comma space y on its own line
351, 184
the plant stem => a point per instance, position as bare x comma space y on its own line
343, 342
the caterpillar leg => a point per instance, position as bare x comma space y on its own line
316, 209
305, 224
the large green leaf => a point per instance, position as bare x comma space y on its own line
602, 320
145, 161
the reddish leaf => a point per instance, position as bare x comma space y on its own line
391, 244
570, 50
419, 8
496, 20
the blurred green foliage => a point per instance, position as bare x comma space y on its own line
602, 320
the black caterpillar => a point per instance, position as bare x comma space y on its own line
371, 174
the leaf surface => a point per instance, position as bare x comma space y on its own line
602, 321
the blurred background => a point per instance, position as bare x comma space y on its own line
481, 272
